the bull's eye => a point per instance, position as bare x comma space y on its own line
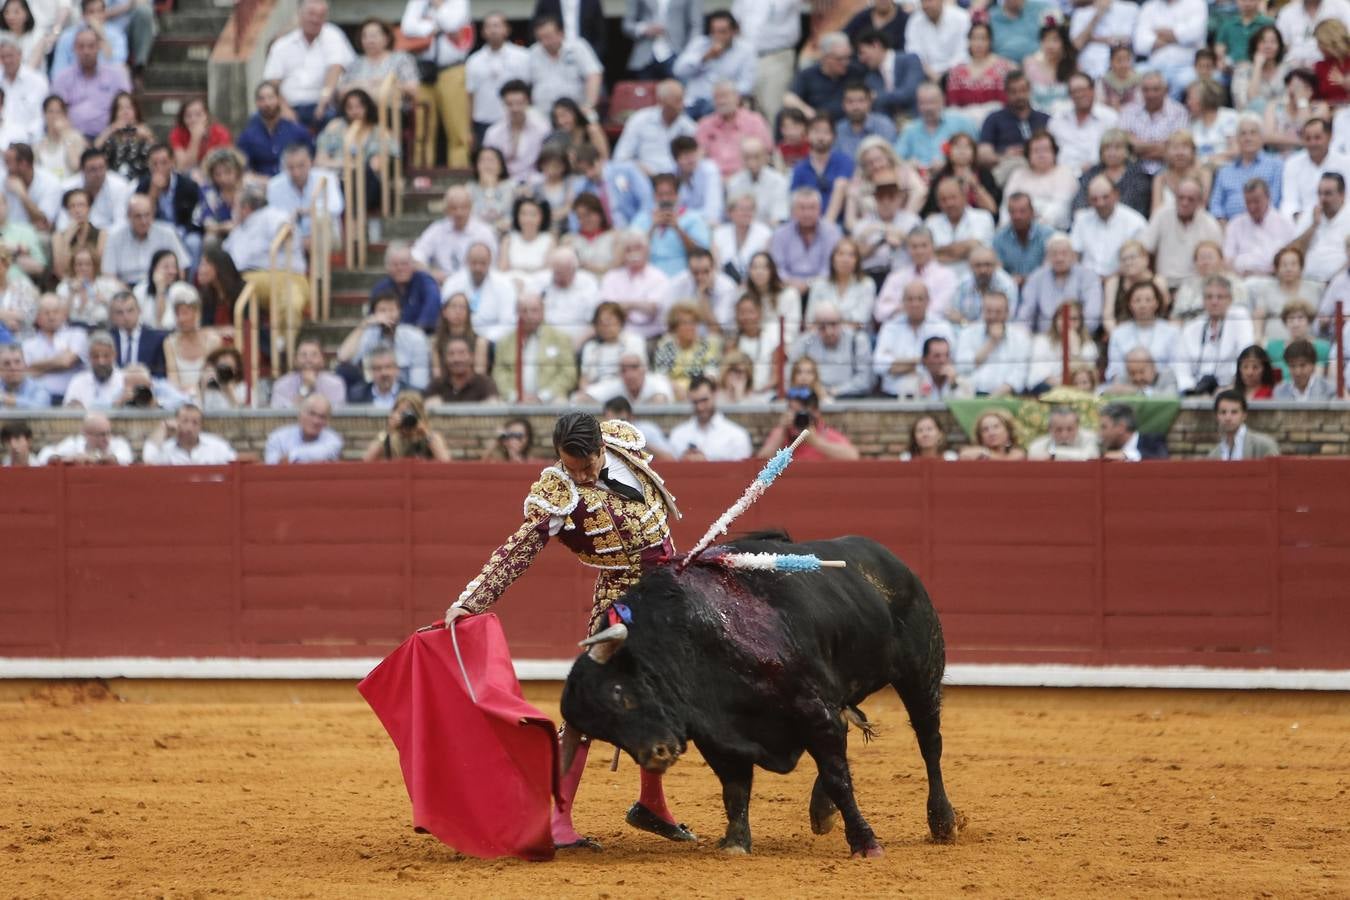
621, 698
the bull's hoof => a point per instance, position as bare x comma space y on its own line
731, 848
643, 819
823, 822
872, 851
946, 831
581, 843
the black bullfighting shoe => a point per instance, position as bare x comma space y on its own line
642, 818
581, 843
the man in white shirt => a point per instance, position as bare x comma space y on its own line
249, 242
1110, 24
563, 66
1253, 238
25, 88
648, 132
295, 191
1323, 242
773, 28
441, 247
132, 245
769, 185
1078, 130
1168, 33
994, 354
1304, 169
309, 61
34, 194
935, 378
99, 386
570, 295
491, 293
493, 65
108, 191
308, 441
1066, 440
181, 442
1099, 232
937, 34
56, 351
1297, 21
95, 445
957, 228
1210, 343
901, 341
923, 266
708, 436
634, 383
714, 292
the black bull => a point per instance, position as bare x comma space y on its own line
758, 667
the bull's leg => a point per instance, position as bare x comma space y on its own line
830, 751
736, 777
924, 705
823, 811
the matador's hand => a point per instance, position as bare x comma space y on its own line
454, 612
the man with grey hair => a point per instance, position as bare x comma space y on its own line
544, 356
87, 85
570, 295
1151, 120
722, 133
249, 245
1210, 343
441, 247
1143, 377
1066, 441
56, 351
1249, 239
309, 61
1226, 195
633, 383
994, 354
768, 185
25, 88
648, 132
17, 390
417, 292
95, 445
309, 440
1060, 278
801, 247
132, 245
1099, 232
819, 88
298, 189
491, 292
843, 356
99, 386
1175, 230
637, 286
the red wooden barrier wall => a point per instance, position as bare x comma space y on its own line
1241, 564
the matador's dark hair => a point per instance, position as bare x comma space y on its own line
577, 434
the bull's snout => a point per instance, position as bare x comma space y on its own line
659, 757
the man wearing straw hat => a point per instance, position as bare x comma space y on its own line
606, 504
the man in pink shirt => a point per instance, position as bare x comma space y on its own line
940, 281
720, 132
639, 287
1252, 238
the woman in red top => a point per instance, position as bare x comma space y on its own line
1255, 376
979, 81
1333, 72
196, 135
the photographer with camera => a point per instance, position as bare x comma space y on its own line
803, 412
180, 441
407, 435
141, 391
223, 380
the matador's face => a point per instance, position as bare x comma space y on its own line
583, 470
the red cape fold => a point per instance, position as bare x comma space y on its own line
480, 775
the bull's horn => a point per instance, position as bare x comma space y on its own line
604, 644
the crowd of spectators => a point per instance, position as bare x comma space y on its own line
932, 203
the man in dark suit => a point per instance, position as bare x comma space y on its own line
893, 75
174, 198
1121, 438
659, 35
585, 16
384, 385
135, 343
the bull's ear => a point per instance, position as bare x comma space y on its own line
606, 643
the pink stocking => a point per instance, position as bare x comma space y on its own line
654, 796
563, 832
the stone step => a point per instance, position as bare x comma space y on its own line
181, 49
162, 102
196, 18
354, 280
183, 78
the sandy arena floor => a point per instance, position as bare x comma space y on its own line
294, 791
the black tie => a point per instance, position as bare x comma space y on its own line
618, 487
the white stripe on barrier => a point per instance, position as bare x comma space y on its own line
972, 674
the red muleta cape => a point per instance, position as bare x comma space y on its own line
480, 775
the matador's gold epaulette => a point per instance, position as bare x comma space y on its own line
554, 493
621, 434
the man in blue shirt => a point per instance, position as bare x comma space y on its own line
1226, 200
17, 390
418, 294
921, 141
824, 169
860, 122
671, 230
623, 189
699, 179
1020, 244
267, 135
1017, 27
1007, 130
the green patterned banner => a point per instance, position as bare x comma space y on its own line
1154, 414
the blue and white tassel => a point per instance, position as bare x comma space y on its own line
778, 562
767, 475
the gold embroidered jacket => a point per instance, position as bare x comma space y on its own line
618, 536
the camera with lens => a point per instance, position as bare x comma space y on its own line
141, 395
802, 420
408, 421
